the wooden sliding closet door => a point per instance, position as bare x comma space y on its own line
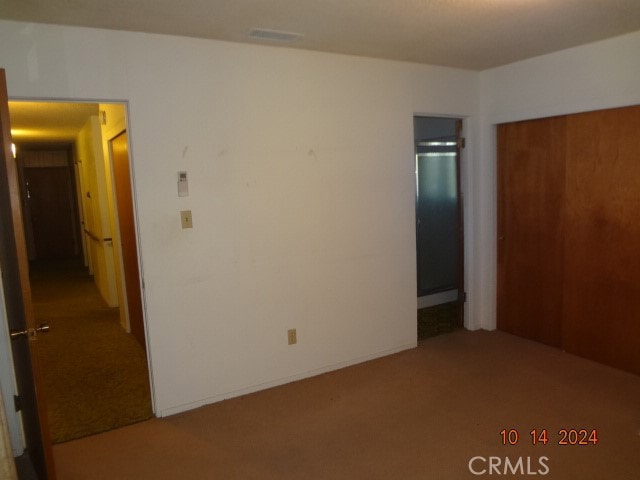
531, 176
602, 235
569, 233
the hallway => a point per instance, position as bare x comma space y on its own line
95, 374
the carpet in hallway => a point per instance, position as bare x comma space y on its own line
95, 374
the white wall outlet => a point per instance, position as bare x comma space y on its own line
292, 336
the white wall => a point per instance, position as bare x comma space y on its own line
600, 75
301, 177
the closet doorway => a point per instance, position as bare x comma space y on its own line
568, 233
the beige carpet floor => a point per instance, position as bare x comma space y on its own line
420, 414
95, 374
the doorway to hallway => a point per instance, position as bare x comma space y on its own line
94, 370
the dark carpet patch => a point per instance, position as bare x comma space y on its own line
438, 319
95, 373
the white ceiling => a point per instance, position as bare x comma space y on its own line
470, 34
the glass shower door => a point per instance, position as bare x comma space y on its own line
437, 214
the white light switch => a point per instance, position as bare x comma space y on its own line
186, 219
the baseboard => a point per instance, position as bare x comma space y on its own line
281, 381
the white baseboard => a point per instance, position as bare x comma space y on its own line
165, 412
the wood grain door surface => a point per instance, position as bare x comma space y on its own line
19, 310
122, 180
51, 197
569, 233
530, 229
602, 253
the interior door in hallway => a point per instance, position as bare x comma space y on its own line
17, 298
50, 197
126, 223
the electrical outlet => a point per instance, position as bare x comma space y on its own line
186, 219
293, 338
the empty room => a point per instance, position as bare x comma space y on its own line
261, 178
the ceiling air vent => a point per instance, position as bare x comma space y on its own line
274, 35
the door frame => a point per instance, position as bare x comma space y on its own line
13, 418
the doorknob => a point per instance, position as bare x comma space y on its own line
31, 332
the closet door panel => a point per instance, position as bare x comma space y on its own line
531, 176
602, 235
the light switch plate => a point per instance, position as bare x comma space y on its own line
186, 219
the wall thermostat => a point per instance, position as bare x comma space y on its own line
183, 184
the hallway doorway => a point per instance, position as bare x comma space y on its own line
95, 371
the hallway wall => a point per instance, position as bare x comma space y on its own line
94, 195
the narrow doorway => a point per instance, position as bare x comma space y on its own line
95, 371
439, 225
